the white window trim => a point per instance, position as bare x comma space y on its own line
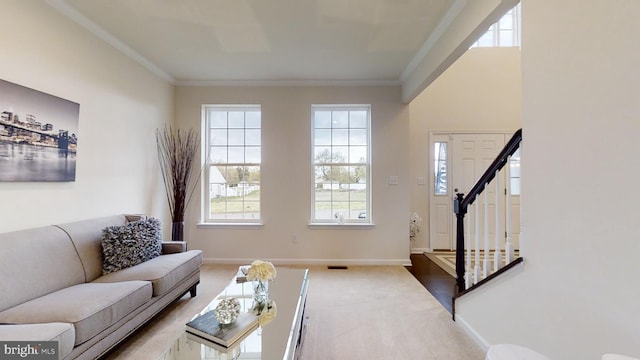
204, 196
495, 40
367, 223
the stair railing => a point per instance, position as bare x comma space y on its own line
465, 278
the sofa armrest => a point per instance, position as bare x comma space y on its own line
172, 247
135, 217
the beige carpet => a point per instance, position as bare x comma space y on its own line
368, 312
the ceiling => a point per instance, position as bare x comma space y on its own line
270, 41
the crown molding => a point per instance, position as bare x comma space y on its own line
288, 83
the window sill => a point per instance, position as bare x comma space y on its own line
238, 225
341, 226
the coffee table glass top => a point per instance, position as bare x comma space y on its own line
274, 341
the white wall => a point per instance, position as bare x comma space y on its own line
287, 179
480, 92
577, 295
465, 22
120, 106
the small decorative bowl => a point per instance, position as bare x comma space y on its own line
227, 311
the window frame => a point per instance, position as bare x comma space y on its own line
436, 160
207, 110
368, 220
494, 40
515, 177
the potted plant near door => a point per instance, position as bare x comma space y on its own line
177, 150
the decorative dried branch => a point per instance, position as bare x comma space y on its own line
177, 150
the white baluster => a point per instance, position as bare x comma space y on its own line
467, 238
487, 260
497, 255
477, 275
508, 247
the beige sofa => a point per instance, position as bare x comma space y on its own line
52, 287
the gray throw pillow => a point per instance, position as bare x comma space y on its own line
130, 244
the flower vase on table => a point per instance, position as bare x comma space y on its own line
261, 272
260, 295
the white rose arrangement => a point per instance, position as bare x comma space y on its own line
268, 314
261, 270
414, 225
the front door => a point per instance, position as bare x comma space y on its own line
458, 162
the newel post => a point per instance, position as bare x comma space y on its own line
460, 212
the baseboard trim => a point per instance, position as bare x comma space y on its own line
419, 250
484, 344
321, 262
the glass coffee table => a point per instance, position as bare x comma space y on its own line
280, 339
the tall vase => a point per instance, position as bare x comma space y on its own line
177, 231
260, 296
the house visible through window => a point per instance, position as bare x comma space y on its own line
233, 156
341, 158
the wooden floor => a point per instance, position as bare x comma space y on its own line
437, 281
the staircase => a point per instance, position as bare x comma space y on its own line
472, 210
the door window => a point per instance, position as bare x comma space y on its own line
440, 168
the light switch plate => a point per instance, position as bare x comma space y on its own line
393, 180
422, 180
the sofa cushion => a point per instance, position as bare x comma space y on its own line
130, 244
86, 235
27, 259
90, 307
164, 272
63, 333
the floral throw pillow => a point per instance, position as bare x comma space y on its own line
127, 245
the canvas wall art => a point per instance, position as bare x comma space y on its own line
38, 135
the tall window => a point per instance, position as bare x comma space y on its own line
440, 168
341, 164
514, 173
233, 151
504, 33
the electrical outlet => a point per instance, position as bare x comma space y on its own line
393, 180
